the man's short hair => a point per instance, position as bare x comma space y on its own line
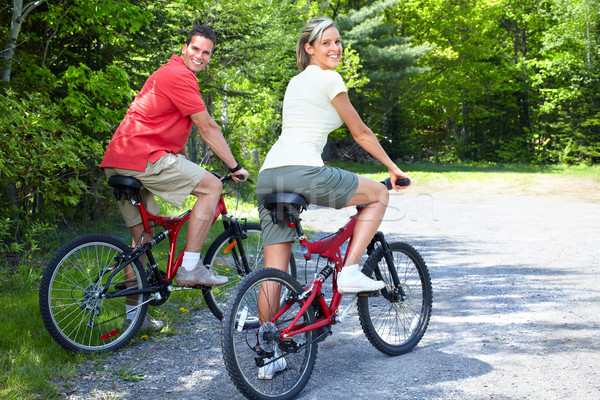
204, 31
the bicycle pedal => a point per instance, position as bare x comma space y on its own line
259, 361
200, 287
369, 294
184, 287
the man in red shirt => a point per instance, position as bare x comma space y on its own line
150, 145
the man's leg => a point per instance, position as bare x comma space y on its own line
208, 192
131, 215
138, 238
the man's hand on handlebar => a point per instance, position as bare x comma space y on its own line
240, 175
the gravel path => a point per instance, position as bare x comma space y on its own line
516, 312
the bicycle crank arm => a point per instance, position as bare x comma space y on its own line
342, 315
130, 292
92, 324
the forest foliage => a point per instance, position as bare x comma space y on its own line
510, 81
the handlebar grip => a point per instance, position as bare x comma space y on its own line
228, 178
242, 177
400, 182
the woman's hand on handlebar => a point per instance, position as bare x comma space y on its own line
400, 179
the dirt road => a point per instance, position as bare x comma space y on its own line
516, 283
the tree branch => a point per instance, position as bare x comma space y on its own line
28, 8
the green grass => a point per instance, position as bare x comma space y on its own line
31, 363
29, 358
519, 174
33, 366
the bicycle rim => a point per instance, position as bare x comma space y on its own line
392, 324
245, 345
74, 312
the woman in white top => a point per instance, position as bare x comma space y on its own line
316, 102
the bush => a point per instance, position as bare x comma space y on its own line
42, 161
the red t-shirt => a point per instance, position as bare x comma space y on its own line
157, 122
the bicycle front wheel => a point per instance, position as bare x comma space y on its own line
74, 309
230, 258
260, 363
395, 318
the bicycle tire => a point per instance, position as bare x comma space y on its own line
242, 346
395, 326
74, 314
224, 257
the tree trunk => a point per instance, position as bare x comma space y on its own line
587, 26
464, 130
18, 16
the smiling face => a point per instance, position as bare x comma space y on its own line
197, 54
326, 51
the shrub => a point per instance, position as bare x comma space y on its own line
42, 160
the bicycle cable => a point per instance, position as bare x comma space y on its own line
331, 236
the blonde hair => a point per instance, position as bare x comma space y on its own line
312, 31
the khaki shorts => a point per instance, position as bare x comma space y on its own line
172, 178
322, 186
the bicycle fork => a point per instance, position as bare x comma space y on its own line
236, 246
389, 259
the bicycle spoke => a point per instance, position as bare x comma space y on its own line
395, 324
289, 363
225, 257
73, 308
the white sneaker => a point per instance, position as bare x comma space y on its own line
271, 367
149, 323
202, 275
152, 324
352, 280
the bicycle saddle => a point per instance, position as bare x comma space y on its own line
125, 185
285, 206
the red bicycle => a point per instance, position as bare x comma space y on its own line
87, 284
394, 319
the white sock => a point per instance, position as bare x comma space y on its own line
190, 260
130, 311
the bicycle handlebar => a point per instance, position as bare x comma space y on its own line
401, 182
387, 182
228, 177
242, 177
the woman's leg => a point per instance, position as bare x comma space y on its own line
276, 256
375, 197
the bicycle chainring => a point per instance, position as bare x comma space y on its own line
164, 292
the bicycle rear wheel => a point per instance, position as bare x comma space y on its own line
393, 324
248, 341
234, 260
76, 314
